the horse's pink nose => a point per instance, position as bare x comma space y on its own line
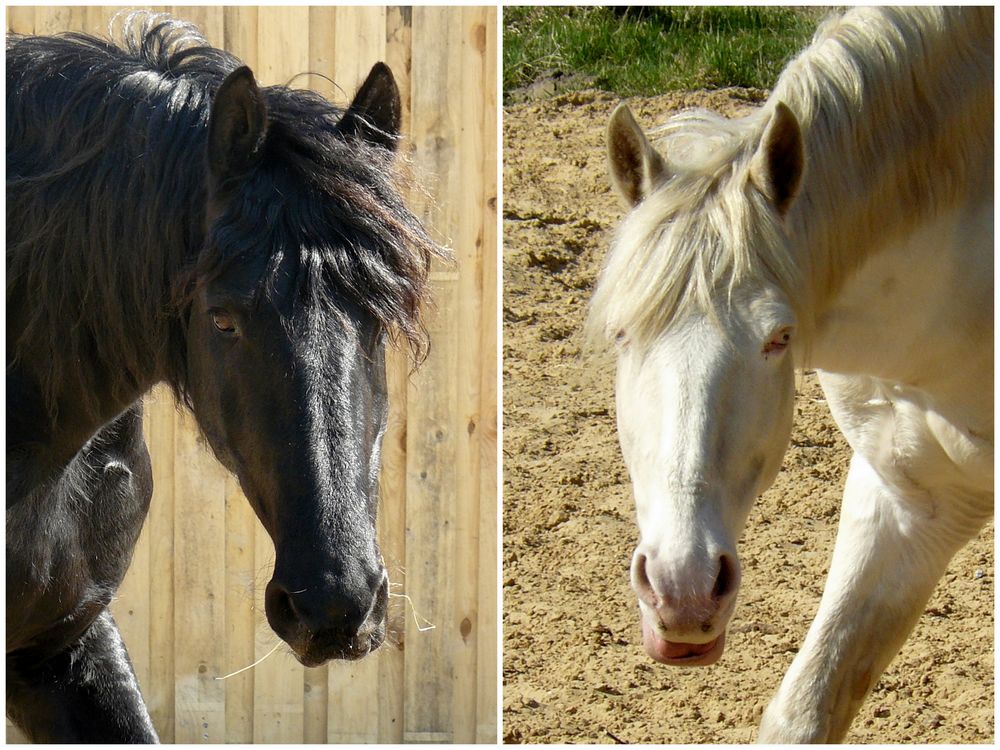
687, 600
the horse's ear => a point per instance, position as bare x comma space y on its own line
636, 167
776, 168
237, 128
375, 115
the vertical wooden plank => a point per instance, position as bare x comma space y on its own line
200, 547
486, 695
283, 44
21, 19
392, 539
278, 679
431, 500
210, 21
322, 32
130, 607
462, 634
353, 715
240, 623
431, 440
240, 31
55, 19
392, 511
359, 42
398, 56
97, 19
199, 587
160, 437
201, 595
316, 701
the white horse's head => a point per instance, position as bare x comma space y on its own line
698, 294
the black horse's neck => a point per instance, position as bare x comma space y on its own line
106, 194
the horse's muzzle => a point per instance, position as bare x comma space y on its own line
320, 630
684, 607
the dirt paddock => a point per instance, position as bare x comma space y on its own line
574, 668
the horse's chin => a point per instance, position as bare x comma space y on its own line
678, 654
315, 652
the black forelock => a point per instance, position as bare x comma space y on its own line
336, 205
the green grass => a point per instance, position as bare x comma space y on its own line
646, 51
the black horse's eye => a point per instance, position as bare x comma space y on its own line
223, 321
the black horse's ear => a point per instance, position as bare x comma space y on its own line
375, 115
237, 127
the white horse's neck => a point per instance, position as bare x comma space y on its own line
896, 210
892, 145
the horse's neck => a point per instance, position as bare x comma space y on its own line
915, 309
885, 157
919, 312
40, 443
895, 219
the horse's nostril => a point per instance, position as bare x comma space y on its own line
725, 581
640, 582
282, 615
282, 605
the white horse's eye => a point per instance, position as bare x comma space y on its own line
778, 342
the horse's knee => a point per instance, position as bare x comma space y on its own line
84, 693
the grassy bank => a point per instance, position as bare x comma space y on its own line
642, 51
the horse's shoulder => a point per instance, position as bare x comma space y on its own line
918, 443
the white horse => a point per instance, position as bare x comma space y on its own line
847, 226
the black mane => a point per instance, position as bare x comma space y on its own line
107, 206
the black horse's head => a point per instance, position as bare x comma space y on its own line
311, 259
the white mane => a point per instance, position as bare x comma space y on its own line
895, 108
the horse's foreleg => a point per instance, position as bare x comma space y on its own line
87, 693
890, 552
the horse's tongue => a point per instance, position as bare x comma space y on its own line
665, 651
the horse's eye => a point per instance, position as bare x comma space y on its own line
223, 321
778, 342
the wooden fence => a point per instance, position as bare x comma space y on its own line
191, 607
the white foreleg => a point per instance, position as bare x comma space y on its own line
891, 550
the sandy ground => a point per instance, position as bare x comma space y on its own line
574, 669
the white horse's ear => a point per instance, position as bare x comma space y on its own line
636, 167
776, 167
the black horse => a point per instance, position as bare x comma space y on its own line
169, 220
